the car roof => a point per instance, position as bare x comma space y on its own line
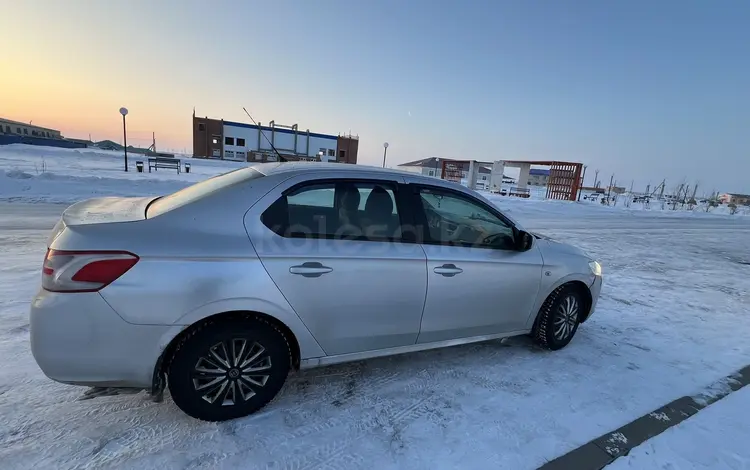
291, 168
302, 167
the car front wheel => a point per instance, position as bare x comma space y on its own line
558, 318
228, 369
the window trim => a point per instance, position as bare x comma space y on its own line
403, 209
422, 216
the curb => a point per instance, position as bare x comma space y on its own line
605, 449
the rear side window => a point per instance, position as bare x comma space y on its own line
346, 210
201, 190
319, 196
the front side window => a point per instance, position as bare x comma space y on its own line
339, 210
456, 219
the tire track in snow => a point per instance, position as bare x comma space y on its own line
128, 444
331, 455
344, 396
388, 413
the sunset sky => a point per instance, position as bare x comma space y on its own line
645, 90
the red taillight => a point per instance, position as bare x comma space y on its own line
104, 271
84, 271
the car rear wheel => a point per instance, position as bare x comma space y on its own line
227, 370
559, 318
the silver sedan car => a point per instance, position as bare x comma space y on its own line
219, 290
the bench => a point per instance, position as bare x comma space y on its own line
157, 162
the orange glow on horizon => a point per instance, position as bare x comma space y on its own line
79, 104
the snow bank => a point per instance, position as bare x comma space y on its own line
19, 186
34, 174
715, 438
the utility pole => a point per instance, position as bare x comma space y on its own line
596, 179
583, 180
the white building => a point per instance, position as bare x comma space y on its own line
17, 128
227, 140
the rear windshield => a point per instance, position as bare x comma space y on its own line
200, 190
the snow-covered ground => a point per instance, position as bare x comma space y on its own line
714, 438
47, 174
672, 318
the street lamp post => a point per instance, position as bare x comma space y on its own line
124, 112
385, 152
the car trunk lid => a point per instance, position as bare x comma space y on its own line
102, 210
105, 210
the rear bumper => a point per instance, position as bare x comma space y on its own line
76, 338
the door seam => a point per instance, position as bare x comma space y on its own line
426, 291
260, 259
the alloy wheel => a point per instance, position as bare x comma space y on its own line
231, 371
566, 317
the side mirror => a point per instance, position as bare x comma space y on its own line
524, 240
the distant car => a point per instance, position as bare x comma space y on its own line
218, 290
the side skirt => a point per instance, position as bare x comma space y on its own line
359, 356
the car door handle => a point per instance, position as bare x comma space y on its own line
310, 269
448, 270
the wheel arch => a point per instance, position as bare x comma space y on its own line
577, 282
162, 363
587, 298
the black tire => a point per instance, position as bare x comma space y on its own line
549, 332
199, 361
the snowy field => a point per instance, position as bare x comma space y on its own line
672, 318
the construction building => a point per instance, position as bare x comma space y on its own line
227, 140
